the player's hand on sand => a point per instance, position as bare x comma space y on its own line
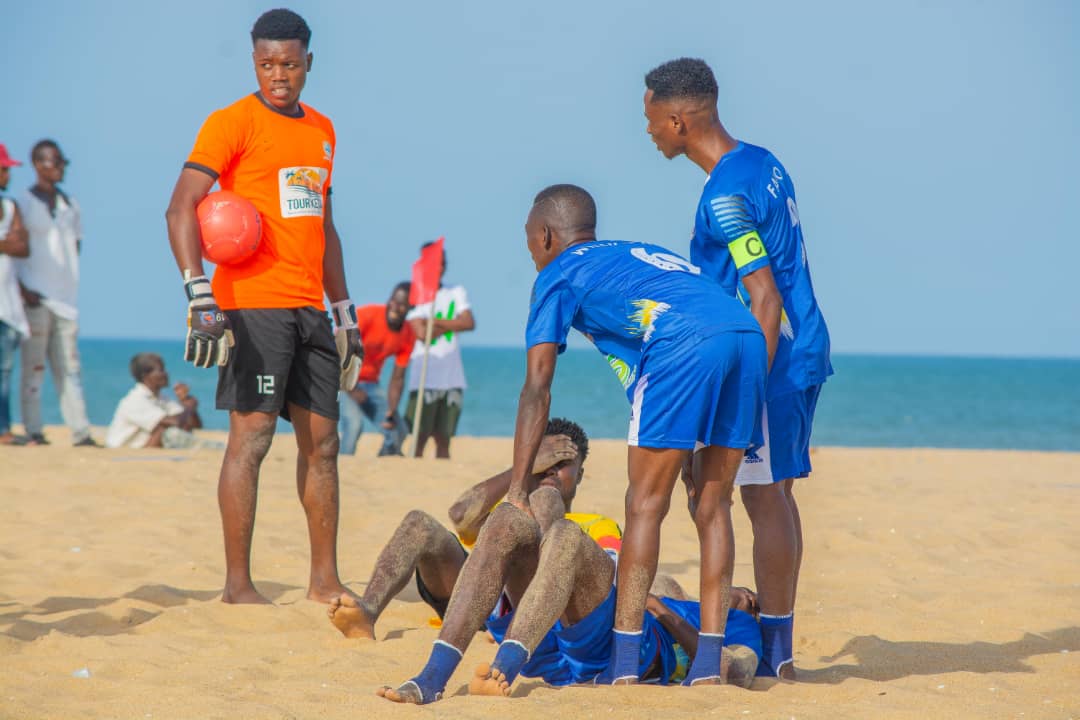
350, 347
553, 450
209, 337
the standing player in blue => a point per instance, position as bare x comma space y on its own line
747, 236
692, 361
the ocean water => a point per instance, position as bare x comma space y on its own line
872, 401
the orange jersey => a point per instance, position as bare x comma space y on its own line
380, 342
283, 165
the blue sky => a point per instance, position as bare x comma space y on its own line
933, 145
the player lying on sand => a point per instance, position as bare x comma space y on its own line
421, 546
547, 570
572, 652
570, 582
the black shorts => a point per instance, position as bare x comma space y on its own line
282, 356
439, 605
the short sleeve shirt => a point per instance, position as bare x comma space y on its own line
283, 165
52, 268
445, 370
625, 297
136, 417
747, 219
380, 342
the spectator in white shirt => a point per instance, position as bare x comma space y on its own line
50, 284
12, 318
444, 384
145, 419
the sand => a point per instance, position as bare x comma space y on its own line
936, 583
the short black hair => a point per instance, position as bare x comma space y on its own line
403, 285
281, 24
143, 364
569, 428
40, 145
682, 79
572, 207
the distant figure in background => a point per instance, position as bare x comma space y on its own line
13, 325
50, 286
444, 386
385, 334
145, 419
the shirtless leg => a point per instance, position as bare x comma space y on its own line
317, 485
714, 479
505, 555
652, 477
573, 578
250, 435
420, 544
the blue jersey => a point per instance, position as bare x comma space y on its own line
627, 297
746, 220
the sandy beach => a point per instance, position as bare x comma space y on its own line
936, 583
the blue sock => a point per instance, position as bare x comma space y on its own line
510, 658
440, 666
625, 648
776, 644
707, 659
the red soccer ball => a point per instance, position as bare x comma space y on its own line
230, 227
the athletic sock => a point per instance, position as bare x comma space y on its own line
625, 648
710, 648
776, 644
510, 658
440, 666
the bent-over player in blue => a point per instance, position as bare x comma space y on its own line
692, 361
748, 236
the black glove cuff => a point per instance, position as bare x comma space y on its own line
198, 287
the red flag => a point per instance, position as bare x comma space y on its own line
426, 273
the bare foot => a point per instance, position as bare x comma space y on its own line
328, 593
787, 672
489, 681
407, 692
243, 595
739, 665
350, 618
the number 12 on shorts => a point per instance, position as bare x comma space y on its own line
265, 384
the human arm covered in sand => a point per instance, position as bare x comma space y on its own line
469, 511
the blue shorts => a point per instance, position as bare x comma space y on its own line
741, 629
568, 655
785, 452
708, 393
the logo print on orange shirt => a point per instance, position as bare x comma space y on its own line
301, 191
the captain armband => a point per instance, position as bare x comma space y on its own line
746, 249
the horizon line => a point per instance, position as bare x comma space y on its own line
844, 353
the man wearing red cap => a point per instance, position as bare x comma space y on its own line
12, 318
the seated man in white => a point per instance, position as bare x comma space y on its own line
146, 419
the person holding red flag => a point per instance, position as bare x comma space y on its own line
435, 368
